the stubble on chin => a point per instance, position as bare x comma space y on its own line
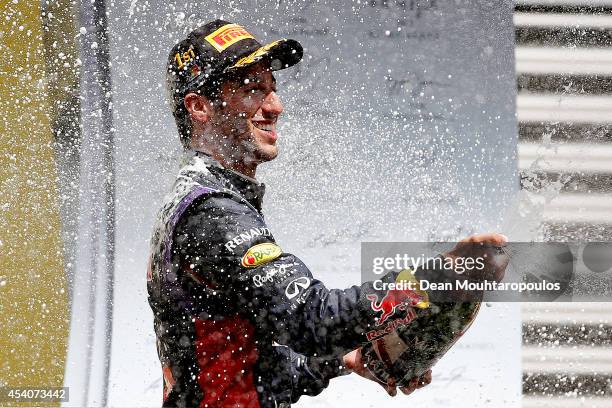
256, 152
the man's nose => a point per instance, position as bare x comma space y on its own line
272, 104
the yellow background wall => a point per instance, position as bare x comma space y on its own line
34, 309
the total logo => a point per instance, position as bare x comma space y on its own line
260, 254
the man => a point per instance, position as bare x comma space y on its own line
239, 322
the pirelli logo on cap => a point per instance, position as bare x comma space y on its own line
227, 35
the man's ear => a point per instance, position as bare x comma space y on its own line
198, 107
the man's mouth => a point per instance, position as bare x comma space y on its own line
268, 128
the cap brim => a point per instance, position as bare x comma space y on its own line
281, 54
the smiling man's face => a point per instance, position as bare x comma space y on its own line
246, 118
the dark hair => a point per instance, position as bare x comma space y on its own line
181, 115
211, 91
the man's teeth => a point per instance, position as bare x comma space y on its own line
262, 126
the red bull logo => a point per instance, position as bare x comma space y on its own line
391, 326
392, 301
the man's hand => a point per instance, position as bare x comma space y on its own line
488, 247
354, 362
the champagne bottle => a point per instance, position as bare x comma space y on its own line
412, 349
416, 344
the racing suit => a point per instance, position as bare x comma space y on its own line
239, 322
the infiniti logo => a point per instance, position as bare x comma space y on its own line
295, 286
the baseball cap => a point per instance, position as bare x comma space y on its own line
219, 48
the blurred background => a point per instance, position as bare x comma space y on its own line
89, 150
564, 110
